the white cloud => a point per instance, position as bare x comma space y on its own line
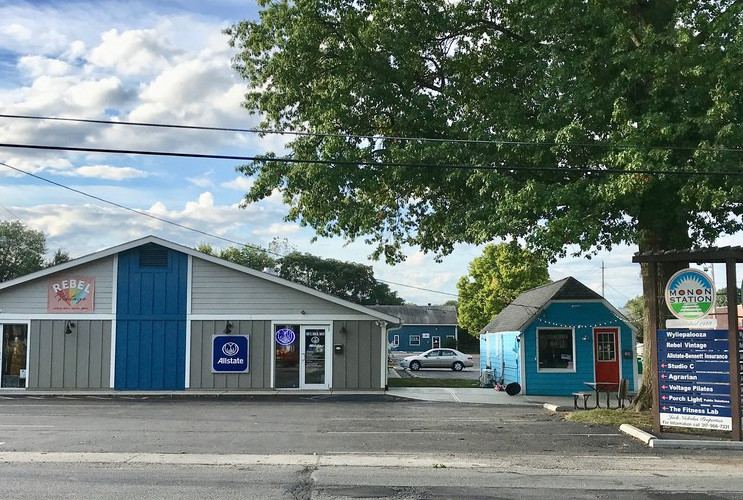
277, 229
133, 52
37, 66
109, 172
203, 181
239, 183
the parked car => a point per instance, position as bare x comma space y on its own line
437, 358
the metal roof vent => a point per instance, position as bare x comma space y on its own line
153, 256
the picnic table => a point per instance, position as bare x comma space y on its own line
603, 387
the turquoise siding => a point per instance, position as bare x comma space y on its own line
500, 353
583, 317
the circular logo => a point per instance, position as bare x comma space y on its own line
690, 294
230, 349
315, 339
285, 336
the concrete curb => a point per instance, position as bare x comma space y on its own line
693, 444
557, 408
654, 442
638, 434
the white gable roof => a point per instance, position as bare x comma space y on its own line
195, 253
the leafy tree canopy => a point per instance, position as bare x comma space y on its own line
347, 280
721, 297
495, 279
565, 96
635, 312
22, 251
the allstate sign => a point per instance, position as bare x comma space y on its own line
230, 353
690, 294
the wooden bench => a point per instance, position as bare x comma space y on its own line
585, 396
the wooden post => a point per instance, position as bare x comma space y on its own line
653, 335
733, 349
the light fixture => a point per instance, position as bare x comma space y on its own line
68, 326
585, 337
227, 327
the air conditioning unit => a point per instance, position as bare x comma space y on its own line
486, 378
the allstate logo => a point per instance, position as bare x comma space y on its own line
230, 349
690, 294
285, 336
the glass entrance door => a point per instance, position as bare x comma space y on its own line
315, 360
13, 360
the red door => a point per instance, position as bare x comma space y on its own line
605, 348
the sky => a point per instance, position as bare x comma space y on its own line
168, 62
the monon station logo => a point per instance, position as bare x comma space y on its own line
690, 294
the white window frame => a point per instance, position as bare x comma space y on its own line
556, 370
395, 341
418, 340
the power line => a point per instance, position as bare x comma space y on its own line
176, 224
419, 288
508, 169
377, 137
124, 207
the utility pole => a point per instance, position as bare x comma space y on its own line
602, 279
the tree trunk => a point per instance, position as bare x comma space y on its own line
644, 399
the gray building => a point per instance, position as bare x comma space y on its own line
422, 327
154, 315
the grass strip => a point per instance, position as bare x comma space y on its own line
432, 382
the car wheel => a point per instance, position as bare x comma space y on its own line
457, 366
415, 365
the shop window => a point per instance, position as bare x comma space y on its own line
555, 349
395, 341
415, 340
13, 362
605, 346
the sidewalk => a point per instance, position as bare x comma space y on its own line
474, 395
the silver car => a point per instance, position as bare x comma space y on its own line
437, 358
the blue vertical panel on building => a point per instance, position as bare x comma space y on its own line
151, 322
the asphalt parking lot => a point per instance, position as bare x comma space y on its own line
472, 373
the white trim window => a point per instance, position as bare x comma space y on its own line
555, 350
415, 340
395, 341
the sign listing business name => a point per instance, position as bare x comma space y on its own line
71, 295
230, 354
694, 379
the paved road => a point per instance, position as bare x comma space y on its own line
334, 447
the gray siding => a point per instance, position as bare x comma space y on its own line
360, 364
357, 368
79, 360
221, 290
259, 376
31, 297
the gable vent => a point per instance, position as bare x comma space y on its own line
153, 256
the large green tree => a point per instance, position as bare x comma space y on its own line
347, 280
22, 250
495, 279
594, 123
